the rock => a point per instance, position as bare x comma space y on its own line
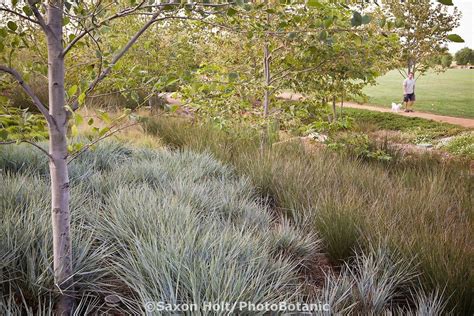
444, 141
112, 300
318, 137
425, 145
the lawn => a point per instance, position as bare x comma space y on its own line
449, 93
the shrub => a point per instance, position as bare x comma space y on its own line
17, 124
424, 130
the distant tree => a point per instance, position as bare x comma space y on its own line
424, 29
446, 60
464, 56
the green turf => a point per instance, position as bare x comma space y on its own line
449, 93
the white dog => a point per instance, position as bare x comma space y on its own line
396, 107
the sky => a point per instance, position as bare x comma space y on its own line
466, 29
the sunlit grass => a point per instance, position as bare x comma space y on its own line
448, 93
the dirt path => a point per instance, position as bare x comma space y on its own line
465, 122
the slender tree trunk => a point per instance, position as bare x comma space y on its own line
264, 140
62, 250
334, 109
266, 72
342, 102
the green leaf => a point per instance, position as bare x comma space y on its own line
292, 35
328, 22
455, 38
173, 108
231, 11
66, 21
171, 82
78, 119
135, 97
399, 22
314, 4
357, 39
282, 24
382, 22
12, 26
81, 98
3, 134
233, 76
356, 19
446, 2
105, 29
103, 131
3, 32
74, 131
104, 116
27, 10
72, 90
14, 3
90, 121
323, 35
74, 148
366, 19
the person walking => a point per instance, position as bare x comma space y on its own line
409, 92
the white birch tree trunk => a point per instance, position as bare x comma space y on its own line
62, 249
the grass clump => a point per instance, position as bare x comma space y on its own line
148, 225
462, 145
378, 282
421, 208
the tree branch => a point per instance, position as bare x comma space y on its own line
19, 15
38, 16
110, 133
401, 73
29, 142
135, 10
103, 22
107, 70
30, 92
295, 72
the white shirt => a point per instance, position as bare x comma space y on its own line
409, 86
